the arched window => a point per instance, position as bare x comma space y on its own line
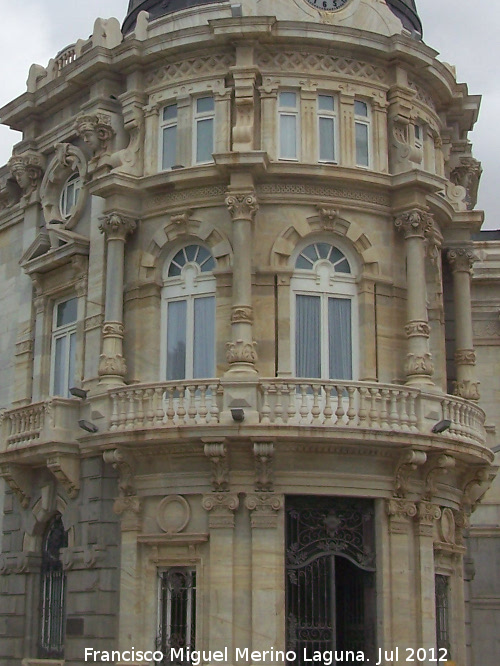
324, 292
53, 590
69, 195
189, 314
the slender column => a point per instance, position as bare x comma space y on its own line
416, 225
112, 366
241, 354
428, 513
461, 261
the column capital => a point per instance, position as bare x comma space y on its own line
242, 205
427, 514
414, 223
116, 226
264, 508
221, 507
461, 259
400, 512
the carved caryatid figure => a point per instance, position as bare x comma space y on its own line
97, 133
27, 169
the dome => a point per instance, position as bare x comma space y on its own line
405, 10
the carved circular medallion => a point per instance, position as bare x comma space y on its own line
173, 514
447, 526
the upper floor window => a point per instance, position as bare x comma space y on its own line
169, 137
64, 347
177, 612
419, 136
204, 126
362, 133
69, 195
324, 291
288, 111
189, 314
327, 128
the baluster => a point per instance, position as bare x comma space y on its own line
139, 416
122, 410
278, 407
340, 411
374, 421
181, 409
304, 408
130, 412
404, 411
170, 407
150, 413
393, 410
265, 412
363, 412
351, 409
328, 411
316, 410
202, 410
292, 403
192, 409
159, 408
412, 412
113, 420
214, 408
384, 414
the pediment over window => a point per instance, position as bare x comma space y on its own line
53, 249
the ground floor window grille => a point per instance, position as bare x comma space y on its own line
442, 613
177, 615
330, 579
53, 589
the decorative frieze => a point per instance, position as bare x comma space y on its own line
264, 461
116, 226
221, 508
264, 508
216, 452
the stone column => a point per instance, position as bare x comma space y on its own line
241, 354
416, 225
268, 592
221, 508
401, 513
427, 514
112, 367
461, 261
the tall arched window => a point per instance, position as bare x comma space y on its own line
325, 322
53, 590
189, 314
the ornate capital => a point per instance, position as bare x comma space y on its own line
419, 364
28, 170
221, 507
415, 224
112, 365
96, 131
465, 357
264, 508
241, 352
217, 454
427, 514
117, 227
467, 389
264, 458
416, 328
400, 512
112, 329
461, 259
242, 206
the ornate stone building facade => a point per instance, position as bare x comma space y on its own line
240, 386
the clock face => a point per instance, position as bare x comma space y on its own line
328, 5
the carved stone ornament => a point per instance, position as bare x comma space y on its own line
182, 219
438, 467
242, 314
465, 357
328, 217
217, 454
414, 224
467, 175
242, 206
427, 514
419, 364
112, 365
96, 131
173, 514
461, 259
116, 226
122, 462
112, 329
129, 508
417, 329
400, 512
476, 486
79, 557
264, 508
447, 526
67, 162
264, 459
408, 464
221, 507
18, 481
66, 469
241, 352
27, 169
467, 389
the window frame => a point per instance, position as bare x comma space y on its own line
329, 115
286, 111
165, 125
191, 607
75, 179
198, 117
58, 332
365, 121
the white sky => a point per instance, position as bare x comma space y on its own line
465, 33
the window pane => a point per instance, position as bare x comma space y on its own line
191, 252
66, 312
326, 140
343, 267
204, 337
59, 387
169, 147
310, 252
204, 104
325, 103
71, 362
339, 338
204, 140
288, 100
176, 340
360, 108
307, 337
288, 137
323, 249
362, 158
303, 262
170, 112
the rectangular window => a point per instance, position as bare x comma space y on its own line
339, 338
362, 133
64, 347
204, 337
177, 613
308, 336
419, 137
204, 120
327, 122
169, 137
442, 614
176, 340
288, 125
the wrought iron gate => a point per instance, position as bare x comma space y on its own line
330, 587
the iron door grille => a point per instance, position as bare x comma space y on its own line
177, 615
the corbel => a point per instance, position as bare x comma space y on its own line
438, 466
216, 452
66, 469
264, 469
409, 461
476, 485
17, 478
123, 463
